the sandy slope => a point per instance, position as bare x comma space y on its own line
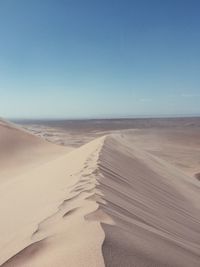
20, 150
43, 214
178, 146
107, 203
155, 208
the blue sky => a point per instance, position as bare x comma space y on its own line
99, 58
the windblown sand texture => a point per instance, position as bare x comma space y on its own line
110, 202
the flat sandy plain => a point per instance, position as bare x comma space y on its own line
122, 193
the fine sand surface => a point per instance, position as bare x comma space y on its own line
117, 201
20, 150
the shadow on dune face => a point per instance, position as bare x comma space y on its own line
156, 223
123, 248
136, 247
24, 256
197, 175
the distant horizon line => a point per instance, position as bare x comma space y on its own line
104, 117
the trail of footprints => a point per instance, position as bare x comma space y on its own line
85, 188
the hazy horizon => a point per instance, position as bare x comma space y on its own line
107, 59
166, 116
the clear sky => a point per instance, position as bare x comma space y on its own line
99, 58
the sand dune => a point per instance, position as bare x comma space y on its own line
20, 150
48, 206
175, 140
155, 208
178, 146
107, 203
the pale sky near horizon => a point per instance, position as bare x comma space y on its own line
108, 58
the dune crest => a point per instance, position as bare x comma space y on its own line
49, 205
107, 203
